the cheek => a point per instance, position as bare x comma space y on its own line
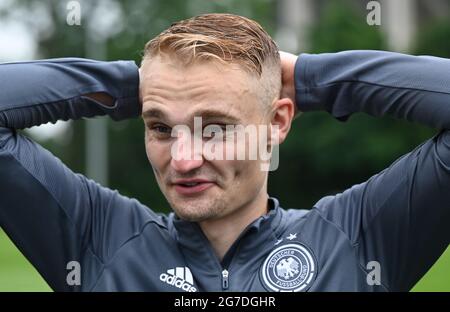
240, 171
244, 179
237, 169
149, 150
158, 155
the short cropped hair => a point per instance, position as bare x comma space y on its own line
226, 38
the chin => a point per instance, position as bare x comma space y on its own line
193, 216
198, 210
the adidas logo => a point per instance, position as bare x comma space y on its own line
180, 277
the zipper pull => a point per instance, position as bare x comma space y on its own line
225, 279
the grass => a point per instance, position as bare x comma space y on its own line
17, 274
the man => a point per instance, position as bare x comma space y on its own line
225, 234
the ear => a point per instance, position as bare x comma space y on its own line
282, 115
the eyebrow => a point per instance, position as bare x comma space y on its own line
207, 114
153, 113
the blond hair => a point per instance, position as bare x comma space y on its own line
225, 38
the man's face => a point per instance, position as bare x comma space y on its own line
197, 187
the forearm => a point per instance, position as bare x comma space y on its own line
53, 215
415, 88
37, 92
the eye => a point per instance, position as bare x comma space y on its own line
162, 129
216, 131
159, 130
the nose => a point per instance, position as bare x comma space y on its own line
186, 153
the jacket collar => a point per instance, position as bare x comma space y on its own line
255, 238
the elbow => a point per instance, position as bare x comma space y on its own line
2, 120
5, 133
442, 148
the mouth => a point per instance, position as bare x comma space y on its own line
192, 187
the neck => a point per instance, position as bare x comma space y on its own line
222, 232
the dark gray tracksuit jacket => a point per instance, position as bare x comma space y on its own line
380, 235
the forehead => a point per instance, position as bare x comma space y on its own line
197, 89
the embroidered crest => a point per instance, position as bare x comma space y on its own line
289, 267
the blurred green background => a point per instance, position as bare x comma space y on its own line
321, 156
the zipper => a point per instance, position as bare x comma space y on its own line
224, 267
225, 275
224, 272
